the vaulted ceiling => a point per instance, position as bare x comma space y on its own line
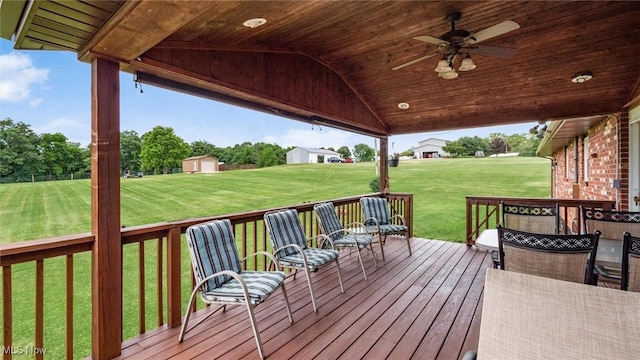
331, 62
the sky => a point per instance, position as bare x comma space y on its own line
51, 92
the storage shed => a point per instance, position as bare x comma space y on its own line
430, 149
203, 164
300, 155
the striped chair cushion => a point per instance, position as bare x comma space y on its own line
377, 208
260, 284
393, 229
285, 228
349, 240
212, 247
329, 221
315, 258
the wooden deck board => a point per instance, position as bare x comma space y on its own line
423, 306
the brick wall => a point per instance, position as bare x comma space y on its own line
608, 161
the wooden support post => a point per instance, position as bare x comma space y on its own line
174, 278
106, 289
384, 165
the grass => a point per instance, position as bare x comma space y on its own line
47, 209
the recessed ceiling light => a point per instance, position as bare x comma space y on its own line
254, 23
403, 106
582, 77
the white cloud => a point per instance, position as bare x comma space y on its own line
17, 75
74, 130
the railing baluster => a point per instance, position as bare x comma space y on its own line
174, 278
141, 284
39, 307
7, 318
160, 304
69, 305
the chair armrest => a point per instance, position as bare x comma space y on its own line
402, 222
267, 254
325, 238
470, 355
374, 220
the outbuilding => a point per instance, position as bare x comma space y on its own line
430, 148
203, 164
300, 155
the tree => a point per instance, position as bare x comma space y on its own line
130, 148
473, 144
498, 145
454, 148
202, 147
19, 155
163, 149
243, 154
363, 152
270, 155
344, 152
530, 146
55, 153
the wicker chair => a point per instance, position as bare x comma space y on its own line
343, 237
292, 249
630, 263
220, 278
377, 219
541, 219
557, 256
612, 226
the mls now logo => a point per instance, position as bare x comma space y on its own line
23, 350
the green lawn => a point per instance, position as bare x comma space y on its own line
47, 209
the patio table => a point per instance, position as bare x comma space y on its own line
530, 317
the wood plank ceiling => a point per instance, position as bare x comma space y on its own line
330, 62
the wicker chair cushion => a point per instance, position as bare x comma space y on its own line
285, 228
212, 247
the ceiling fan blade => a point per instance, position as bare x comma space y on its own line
492, 31
492, 51
430, 40
414, 61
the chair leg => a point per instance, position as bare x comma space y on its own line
381, 245
286, 302
408, 242
374, 255
313, 298
362, 263
339, 275
187, 314
256, 332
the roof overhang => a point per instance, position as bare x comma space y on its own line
561, 133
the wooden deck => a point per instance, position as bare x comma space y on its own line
424, 306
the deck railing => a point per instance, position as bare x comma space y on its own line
155, 261
483, 212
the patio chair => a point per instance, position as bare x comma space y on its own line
557, 256
344, 238
612, 226
630, 263
220, 278
378, 219
292, 249
542, 219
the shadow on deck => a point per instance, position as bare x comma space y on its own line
426, 306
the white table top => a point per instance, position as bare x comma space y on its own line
609, 251
530, 317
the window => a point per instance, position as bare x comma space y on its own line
585, 158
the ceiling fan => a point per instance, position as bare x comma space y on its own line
458, 45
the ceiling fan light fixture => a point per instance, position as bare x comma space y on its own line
467, 64
443, 66
452, 74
